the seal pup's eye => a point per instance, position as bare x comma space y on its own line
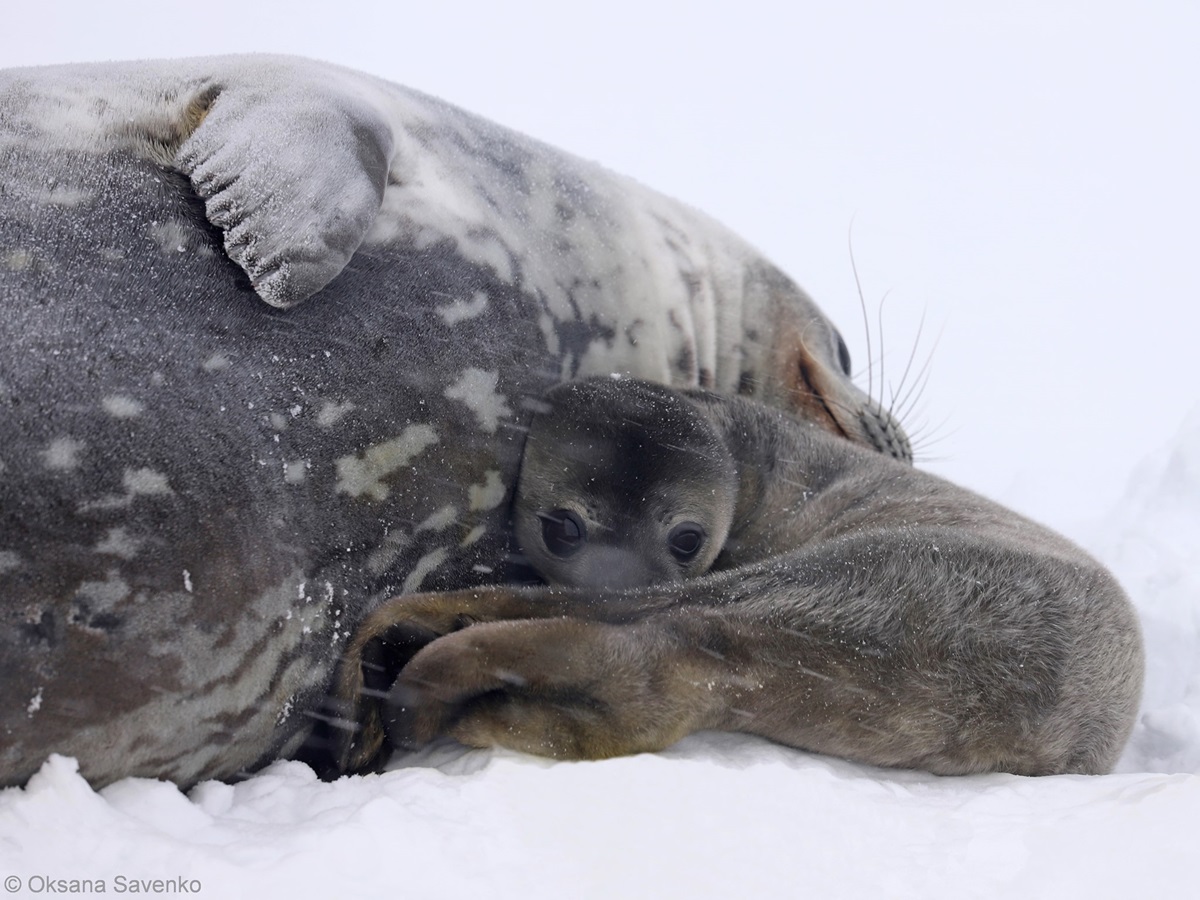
563, 531
843, 354
685, 541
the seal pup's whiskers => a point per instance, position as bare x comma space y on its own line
784, 582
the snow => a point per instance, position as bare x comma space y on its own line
718, 815
1025, 175
1153, 546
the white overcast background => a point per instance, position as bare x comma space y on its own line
1023, 174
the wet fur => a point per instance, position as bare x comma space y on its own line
859, 608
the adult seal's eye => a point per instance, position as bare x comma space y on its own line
563, 532
685, 541
843, 353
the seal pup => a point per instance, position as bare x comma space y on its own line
855, 607
606, 499
270, 331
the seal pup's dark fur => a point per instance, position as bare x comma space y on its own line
857, 607
269, 331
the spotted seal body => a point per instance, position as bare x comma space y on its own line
855, 606
269, 334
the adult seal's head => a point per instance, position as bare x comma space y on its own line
271, 333
622, 483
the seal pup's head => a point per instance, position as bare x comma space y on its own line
623, 483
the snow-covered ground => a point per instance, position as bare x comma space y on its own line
716, 816
1025, 174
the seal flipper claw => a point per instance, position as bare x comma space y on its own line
293, 173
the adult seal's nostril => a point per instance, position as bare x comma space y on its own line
271, 333
884, 433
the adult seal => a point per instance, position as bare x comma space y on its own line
852, 606
270, 333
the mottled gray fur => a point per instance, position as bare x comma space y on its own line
270, 332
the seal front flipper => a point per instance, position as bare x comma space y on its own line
563, 688
391, 636
406, 630
292, 169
